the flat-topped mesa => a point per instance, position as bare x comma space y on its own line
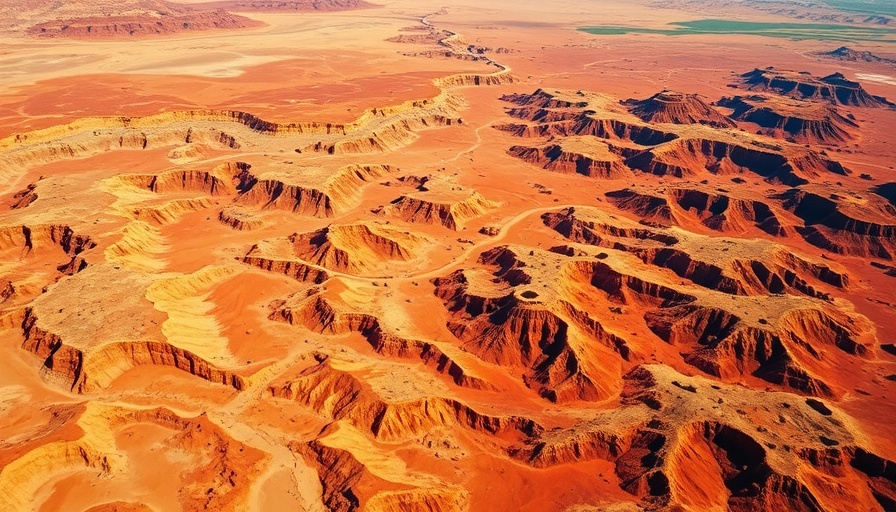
575, 155
356, 248
716, 458
842, 226
689, 156
277, 256
668, 149
565, 113
82, 351
223, 179
714, 209
88, 370
409, 412
801, 121
321, 315
848, 54
589, 124
791, 343
834, 88
349, 476
439, 201
509, 316
677, 108
308, 190
240, 218
753, 268
470, 80
148, 24
542, 98
386, 137
287, 6
688, 442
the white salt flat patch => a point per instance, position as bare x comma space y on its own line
881, 79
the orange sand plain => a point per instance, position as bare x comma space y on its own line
299, 266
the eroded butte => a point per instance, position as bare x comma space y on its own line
416, 256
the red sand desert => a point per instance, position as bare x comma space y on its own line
444, 256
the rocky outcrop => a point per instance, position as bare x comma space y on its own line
728, 214
24, 197
287, 6
341, 396
584, 124
831, 226
336, 193
177, 21
651, 208
586, 159
439, 201
294, 269
90, 371
803, 122
240, 219
356, 248
834, 88
504, 320
687, 157
320, 315
847, 54
677, 108
721, 344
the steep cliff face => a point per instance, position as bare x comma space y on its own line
304, 192
59, 242
510, 320
688, 157
87, 371
677, 108
715, 210
842, 228
174, 21
679, 137
439, 201
834, 88
801, 121
350, 479
686, 442
291, 5
764, 269
356, 248
585, 124
728, 214
341, 396
652, 208
321, 315
575, 156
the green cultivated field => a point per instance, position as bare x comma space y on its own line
869, 7
820, 31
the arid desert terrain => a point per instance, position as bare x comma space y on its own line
420, 256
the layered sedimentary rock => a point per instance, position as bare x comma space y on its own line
677, 108
834, 88
800, 120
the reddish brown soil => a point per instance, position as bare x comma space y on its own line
426, 257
